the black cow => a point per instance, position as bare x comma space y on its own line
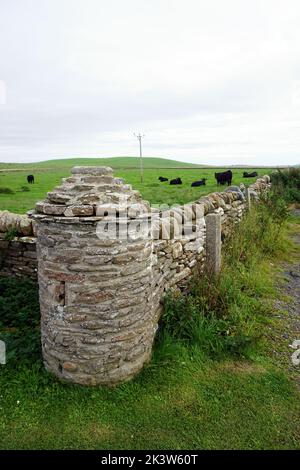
199, 183
176, 181
30, 179
249, 175
224, 177
161, 179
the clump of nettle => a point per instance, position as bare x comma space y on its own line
4, 190
223, 314
286, 183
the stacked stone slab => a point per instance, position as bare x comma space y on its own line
18, 257
178, 248
97, 318
20, 223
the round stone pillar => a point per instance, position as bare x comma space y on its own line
94, 272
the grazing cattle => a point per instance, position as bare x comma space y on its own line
249, 175
224, 177
176, 181
30, 179
199, 183
161, 179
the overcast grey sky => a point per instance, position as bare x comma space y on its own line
215, 82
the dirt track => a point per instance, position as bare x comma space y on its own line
287, 329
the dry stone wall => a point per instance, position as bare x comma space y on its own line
21, 224
18, 255
184, 248
105, 260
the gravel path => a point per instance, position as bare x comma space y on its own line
287, 329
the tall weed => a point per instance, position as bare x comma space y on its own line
223, 314
286, 183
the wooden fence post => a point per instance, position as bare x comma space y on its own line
213, 243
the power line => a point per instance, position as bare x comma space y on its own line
139, 137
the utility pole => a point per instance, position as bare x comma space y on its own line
139, 137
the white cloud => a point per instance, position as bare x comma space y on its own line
208, 82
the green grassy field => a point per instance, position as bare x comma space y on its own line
48, 174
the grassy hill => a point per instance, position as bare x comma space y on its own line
114, 162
